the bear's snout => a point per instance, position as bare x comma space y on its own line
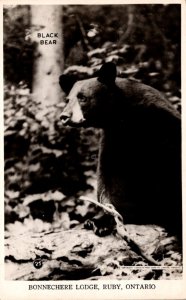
65, 117
71, 119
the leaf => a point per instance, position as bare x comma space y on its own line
31, 198
35, 167
154, 74
23, 132
22, 210
62, 220
131, 71
34, 127
24, 92
96, 52
82, 210
29, 225
12, 194
56, 152
9, 113
79, 69
36, 225
57, 196
10, 132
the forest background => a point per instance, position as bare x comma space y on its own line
47, 166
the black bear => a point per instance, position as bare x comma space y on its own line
139, 166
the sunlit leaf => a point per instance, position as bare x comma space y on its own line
57, 196
12, 194
35, 167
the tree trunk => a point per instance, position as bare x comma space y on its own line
48, 56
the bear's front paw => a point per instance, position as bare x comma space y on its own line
101, 226
89, 224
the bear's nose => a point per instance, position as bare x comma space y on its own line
64, 117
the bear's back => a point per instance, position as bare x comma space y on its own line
139, 94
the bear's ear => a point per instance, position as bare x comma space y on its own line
66, 82
107, 73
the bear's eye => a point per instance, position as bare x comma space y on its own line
66, 100
81, 97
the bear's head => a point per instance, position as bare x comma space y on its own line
90, 102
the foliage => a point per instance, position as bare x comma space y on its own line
39, 156
18, 51
92, 26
